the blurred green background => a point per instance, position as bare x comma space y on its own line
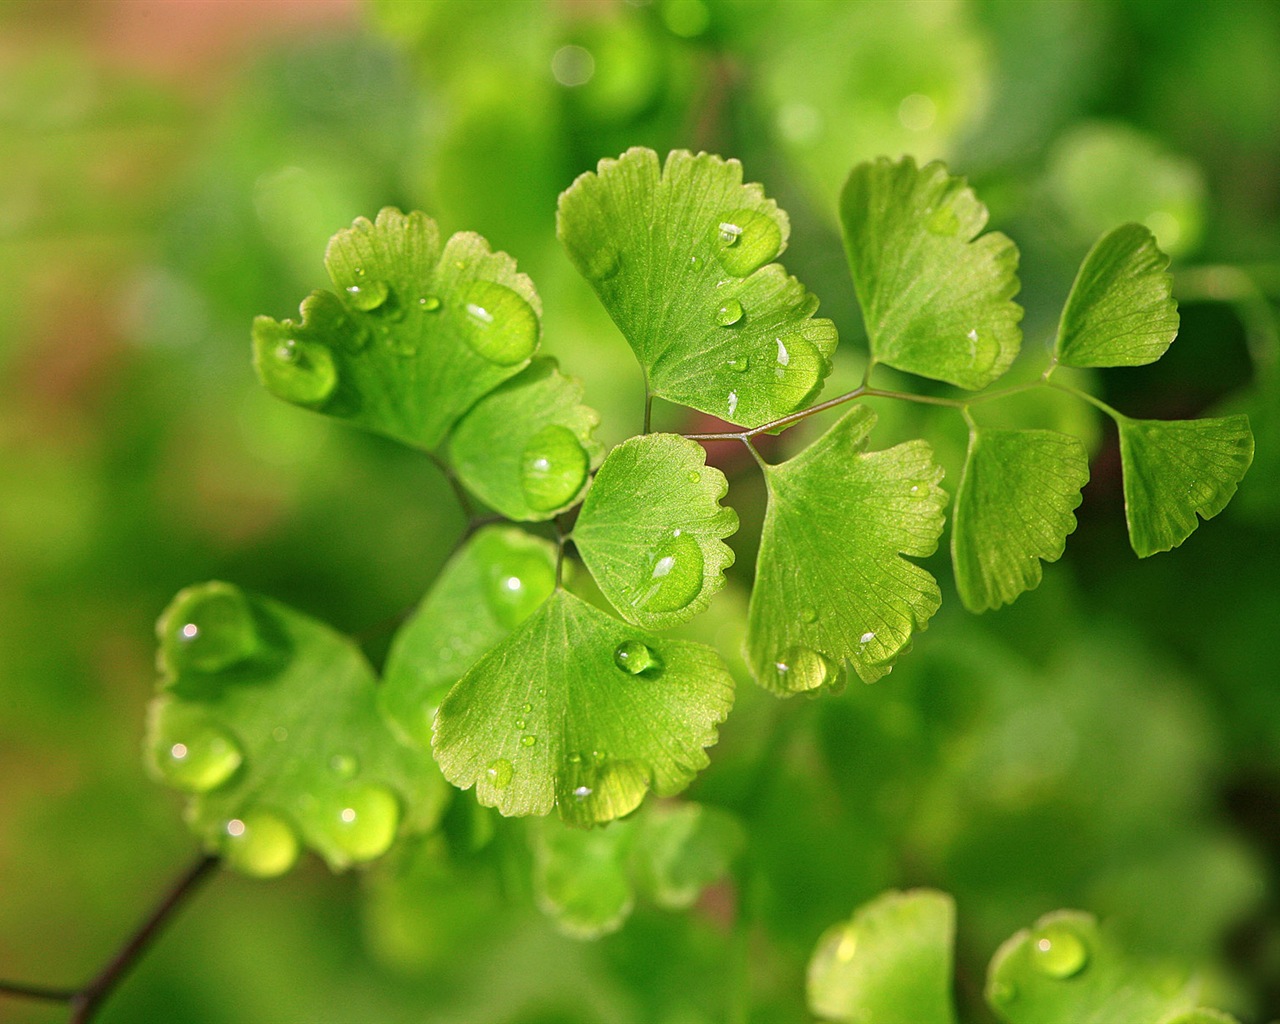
170, 169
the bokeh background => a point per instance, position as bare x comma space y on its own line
170, 168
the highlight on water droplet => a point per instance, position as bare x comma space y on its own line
499, 773
729, 313
636, 657
746, 240
528, 741
194, 756
368, 295
582, 792
519, 723
738, 364
553, 468
847, 945
1058, 950
517, 583
429, 303
209, 628
733, 402
287, 350
798, 366
802, 669
866, 637
353, 824
259, 843
497, 323
672, 576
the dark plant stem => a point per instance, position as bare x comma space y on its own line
85, 1002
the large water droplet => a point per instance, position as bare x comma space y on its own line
357, 823
302, 372
672, 576
797, 368
197, 757
636, 657
259, 843
499, 773
498, 324
211, 628
802, 669
552, 468
368, 295
1058, 951
746, 240
729, 313
516, 584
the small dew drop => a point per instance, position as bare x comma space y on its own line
729, 313
356, 824
429, 303
808, 614
519, 723
217, 628
260, 844
526, 707
499, 773
287, 351
599, 756
738, 364
528, 741
197, 757
369, 295
866, 638
636, 658
694, 476
582, 792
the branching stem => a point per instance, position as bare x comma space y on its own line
85, 1002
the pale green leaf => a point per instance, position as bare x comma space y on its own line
681, 848
1200, 1015
1067, 970
580, 876
1015, 506
416, 334
526, 448
936, 298
579, 711
682, 257
831, 582
1176, 469
1121, 310
268, 719
889, 964
651, 530
495, 582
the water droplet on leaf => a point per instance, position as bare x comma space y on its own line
866, 638
673, 576
552, 468
368, 295
635, 657
516, 585
300, 372
498, 324
746, 240
808, 614
212, 629
198, 757
802, 669
738, 364
733, 403
259, 843
429, 303
798, 366
499, 773
356, 823
729, 313
1058, 951
528, 741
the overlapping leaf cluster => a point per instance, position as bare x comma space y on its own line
544, 697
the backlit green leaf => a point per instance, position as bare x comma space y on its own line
1176, 469
1015, 506
682, 258
580, 876
496, 581
268, 719
416, 334
1121, 310
579, 711
1067, 969
937, 300
651, 530
526, 448
891, 963
831, 582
